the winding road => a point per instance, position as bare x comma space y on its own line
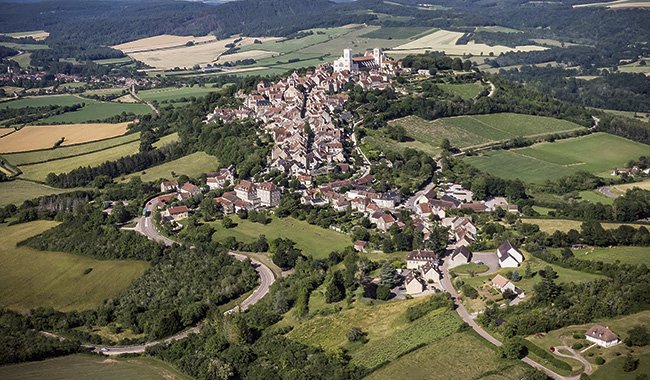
146, 226
467, 318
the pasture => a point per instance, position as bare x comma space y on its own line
68, 151
18, 191
496, 29
173, 93
312, 240
467, 131
31, 278
551, 225
192, 165
23, 59
461, 356
38, 172
35, 137
445, 40
81, 367
551, 161
624, 255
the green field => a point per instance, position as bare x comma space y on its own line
459, 356
31, 278
594, 196
467, 131
624, 255
397, 32
191, 165
40, 101
39, 172
24, 47
550, 161
24, 59
172, 93
614, 369
313, 240
18, 191
82, 367
465, 90
68, 151
496, 29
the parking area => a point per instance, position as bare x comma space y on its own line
488, 258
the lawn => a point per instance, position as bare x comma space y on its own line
470, 268
313, 240
18, 191
614, 369
39, 172
595, 196
624, 255
551, 161
467, 131
69, 151
459, 356
31, 278
551, 225
192, 165
173, 93
465, 90
82, 366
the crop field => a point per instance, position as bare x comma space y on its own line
624, 255
550, 161
172, 93
31, 278
445, 40
461, 356
18, 191
564, 225
466, 131
635, 67
35, 137
162, 41
319, 36
465, 90
249, 54
191, 165
97, 111
354, 40
618, 4
81, 367
397, 33
313, 240
38, 172
35, 34
68, 151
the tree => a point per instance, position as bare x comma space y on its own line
638, 336
388, 276
227, 222
513, 349
383, 293
285, 253
445, 145
335, 290
355, 334
630, 364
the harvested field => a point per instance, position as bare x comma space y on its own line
35, 34
445, 40
250, 54
35, 137
617, 4
162, 41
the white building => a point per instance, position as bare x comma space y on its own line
461, 255
413, 284
418, 259
508, 256
352, 64
602, 336
269, 194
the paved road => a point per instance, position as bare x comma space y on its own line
410, 203
576, 356
146, 227
467, 318
607, 191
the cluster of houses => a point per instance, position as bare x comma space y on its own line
248, 196
422, 268
298, 113
438, 201
175, 192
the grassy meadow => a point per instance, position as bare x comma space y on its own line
81, 367
192, 165
18, 191
312, 240
31, 278
622, 254
551, 161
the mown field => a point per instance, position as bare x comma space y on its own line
31, 278
550, 161
34, 137
621, 189
39, 172
18, 191
313, 240
624, 255
458, 356
467, 131
191, 165
82, 367
551, 225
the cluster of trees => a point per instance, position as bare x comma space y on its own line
630, 207
591, 233
625, 127
25, 115
407, 170
7, 52
436, 61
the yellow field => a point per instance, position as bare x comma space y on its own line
188, 56
617, 4
35, 137
36, 34
254, 54
445, 40
128, 98
5, 131
551, 225
621, 189
162, 41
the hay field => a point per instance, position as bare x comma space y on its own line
35, 137
38, 35
30, 278
188, 56
618, 4
192, 165
17, 191
445, 40
162, 41
250, 54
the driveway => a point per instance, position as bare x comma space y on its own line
488, 258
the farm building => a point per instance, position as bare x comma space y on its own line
360, 245
602, 336
508, 256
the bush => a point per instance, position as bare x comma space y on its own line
469, 291
600, 360
630, 364
577, 346
383, 293
355, 334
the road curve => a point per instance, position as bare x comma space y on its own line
467, 318
146, 227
